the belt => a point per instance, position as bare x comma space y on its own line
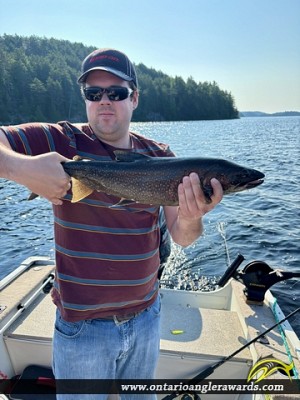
122, 318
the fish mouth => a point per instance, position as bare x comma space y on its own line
252, 184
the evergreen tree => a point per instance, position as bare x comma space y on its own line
38, 82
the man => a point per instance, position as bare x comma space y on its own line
107, 259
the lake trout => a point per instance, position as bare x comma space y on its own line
134, 177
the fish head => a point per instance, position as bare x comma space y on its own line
246, 179
233, 178
238, 178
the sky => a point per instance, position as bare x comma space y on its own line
250, 48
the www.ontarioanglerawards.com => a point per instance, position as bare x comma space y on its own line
159, 386
208, 387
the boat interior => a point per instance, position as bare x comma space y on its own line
198, 329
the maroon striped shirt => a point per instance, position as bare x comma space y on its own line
106, 258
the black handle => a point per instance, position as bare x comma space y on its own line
231, 270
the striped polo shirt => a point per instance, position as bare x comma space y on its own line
106, 258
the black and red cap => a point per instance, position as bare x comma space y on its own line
110, 60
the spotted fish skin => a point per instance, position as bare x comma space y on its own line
134, 177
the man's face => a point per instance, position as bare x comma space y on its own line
110, 119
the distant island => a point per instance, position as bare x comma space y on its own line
263, 114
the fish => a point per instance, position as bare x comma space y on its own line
269, 365
137, 178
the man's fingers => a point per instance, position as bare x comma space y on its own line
192, 193
61, 192
218, 190
192, 201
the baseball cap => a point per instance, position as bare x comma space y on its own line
110, 60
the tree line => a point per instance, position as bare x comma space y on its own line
38, 82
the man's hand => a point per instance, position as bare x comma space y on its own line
192, 202
43, 175
185, 221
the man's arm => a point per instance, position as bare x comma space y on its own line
185, 221
43, 174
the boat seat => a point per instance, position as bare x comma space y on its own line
194, 338
15, 294
29, 339
188, 330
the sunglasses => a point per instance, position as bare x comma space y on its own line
114, 93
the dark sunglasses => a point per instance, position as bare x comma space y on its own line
114, 93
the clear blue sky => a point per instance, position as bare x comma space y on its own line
249, 47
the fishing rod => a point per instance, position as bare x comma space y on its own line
209, 370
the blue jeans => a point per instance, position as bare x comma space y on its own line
105, 349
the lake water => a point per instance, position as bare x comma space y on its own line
261, 224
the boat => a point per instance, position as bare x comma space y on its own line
230, 335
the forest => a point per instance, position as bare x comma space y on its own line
38, 82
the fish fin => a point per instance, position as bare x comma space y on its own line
207, 191
77, 158
79, 190
129, 156
32, 196
123, 203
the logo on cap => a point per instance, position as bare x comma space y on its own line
110, 60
